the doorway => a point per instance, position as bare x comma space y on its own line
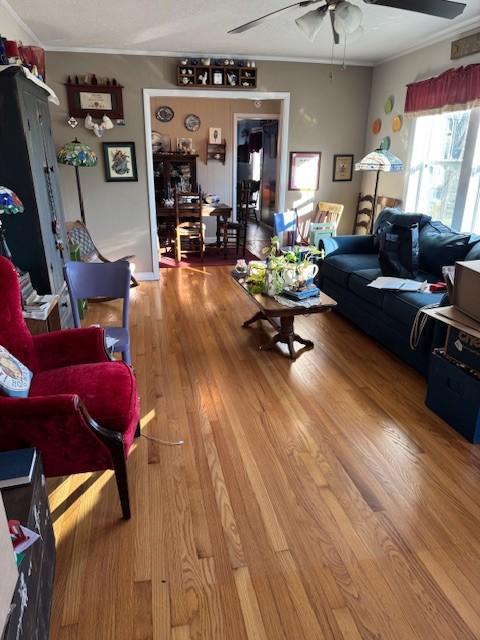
253, 97
256, 163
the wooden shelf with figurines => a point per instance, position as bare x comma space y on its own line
207, 73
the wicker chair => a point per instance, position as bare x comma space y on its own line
79, 235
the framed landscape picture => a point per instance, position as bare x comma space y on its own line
304, 172
342, 167
120, 162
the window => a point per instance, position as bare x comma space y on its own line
444, 174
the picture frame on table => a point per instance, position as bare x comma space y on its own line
184, 145
343, 167
120, 162
304, 172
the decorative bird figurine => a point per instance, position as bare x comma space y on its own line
98, 129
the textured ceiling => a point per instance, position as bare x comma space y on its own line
200, 26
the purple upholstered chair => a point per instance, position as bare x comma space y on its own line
102, 280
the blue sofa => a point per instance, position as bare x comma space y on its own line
351, 263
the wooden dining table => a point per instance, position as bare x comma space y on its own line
221, 211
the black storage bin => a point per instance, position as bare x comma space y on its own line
454, 395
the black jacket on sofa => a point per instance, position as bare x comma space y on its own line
351, 263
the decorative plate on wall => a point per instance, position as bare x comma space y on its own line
397, 124
192, 122
376, 126
164, 113
388, 106
385, 143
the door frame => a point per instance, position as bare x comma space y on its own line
219, 94
258, 116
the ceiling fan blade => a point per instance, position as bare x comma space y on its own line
336, 37
438, 8
258, 21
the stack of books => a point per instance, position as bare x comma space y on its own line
302, 294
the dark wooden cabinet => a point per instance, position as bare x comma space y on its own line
28, 166
30, 617
173, 171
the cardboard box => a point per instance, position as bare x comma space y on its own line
466, 290
463, 347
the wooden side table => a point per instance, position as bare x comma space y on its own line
52, 322
30, 617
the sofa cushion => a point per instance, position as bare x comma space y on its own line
358, 284
473, 250
107, 389
339, 268
440, 247
403, 307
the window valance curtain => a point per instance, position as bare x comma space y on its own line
452, 90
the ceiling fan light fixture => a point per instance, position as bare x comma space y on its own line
310, 23
348, 18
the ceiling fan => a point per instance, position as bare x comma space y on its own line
346, 18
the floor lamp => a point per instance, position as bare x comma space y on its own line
379, 160
76, 154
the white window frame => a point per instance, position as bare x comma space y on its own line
473, 132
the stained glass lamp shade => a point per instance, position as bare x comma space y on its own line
379, 160
76, 154
10, 204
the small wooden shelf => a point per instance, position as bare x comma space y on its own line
217, 152
215, 76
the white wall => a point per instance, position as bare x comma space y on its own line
11, 28
391, 78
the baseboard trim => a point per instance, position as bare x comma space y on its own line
146, 275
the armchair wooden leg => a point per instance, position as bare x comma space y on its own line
138, 430
120, 467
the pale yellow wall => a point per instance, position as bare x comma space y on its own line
392, 78
327, 116
11, 29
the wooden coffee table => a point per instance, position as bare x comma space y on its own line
282, 317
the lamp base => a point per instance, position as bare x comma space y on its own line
4, 250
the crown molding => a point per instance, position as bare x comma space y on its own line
194, 54
21, 23
458, 29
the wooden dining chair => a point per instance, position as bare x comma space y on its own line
234, 233
190, 229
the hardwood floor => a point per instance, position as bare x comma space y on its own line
311, 500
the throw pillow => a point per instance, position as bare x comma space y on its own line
15, 378
441, 247
398, 250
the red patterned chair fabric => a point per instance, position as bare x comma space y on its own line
83, 409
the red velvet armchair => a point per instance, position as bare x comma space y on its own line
82, 411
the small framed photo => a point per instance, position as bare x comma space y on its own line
184, 145
160, 142
304, 172
120, 162
214, 135
343, 167
218, 77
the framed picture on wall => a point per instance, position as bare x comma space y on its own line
304, 174
343, 167
120, 162
214, 135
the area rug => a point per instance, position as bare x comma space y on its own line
212, 258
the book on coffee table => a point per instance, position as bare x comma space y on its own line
16, 467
